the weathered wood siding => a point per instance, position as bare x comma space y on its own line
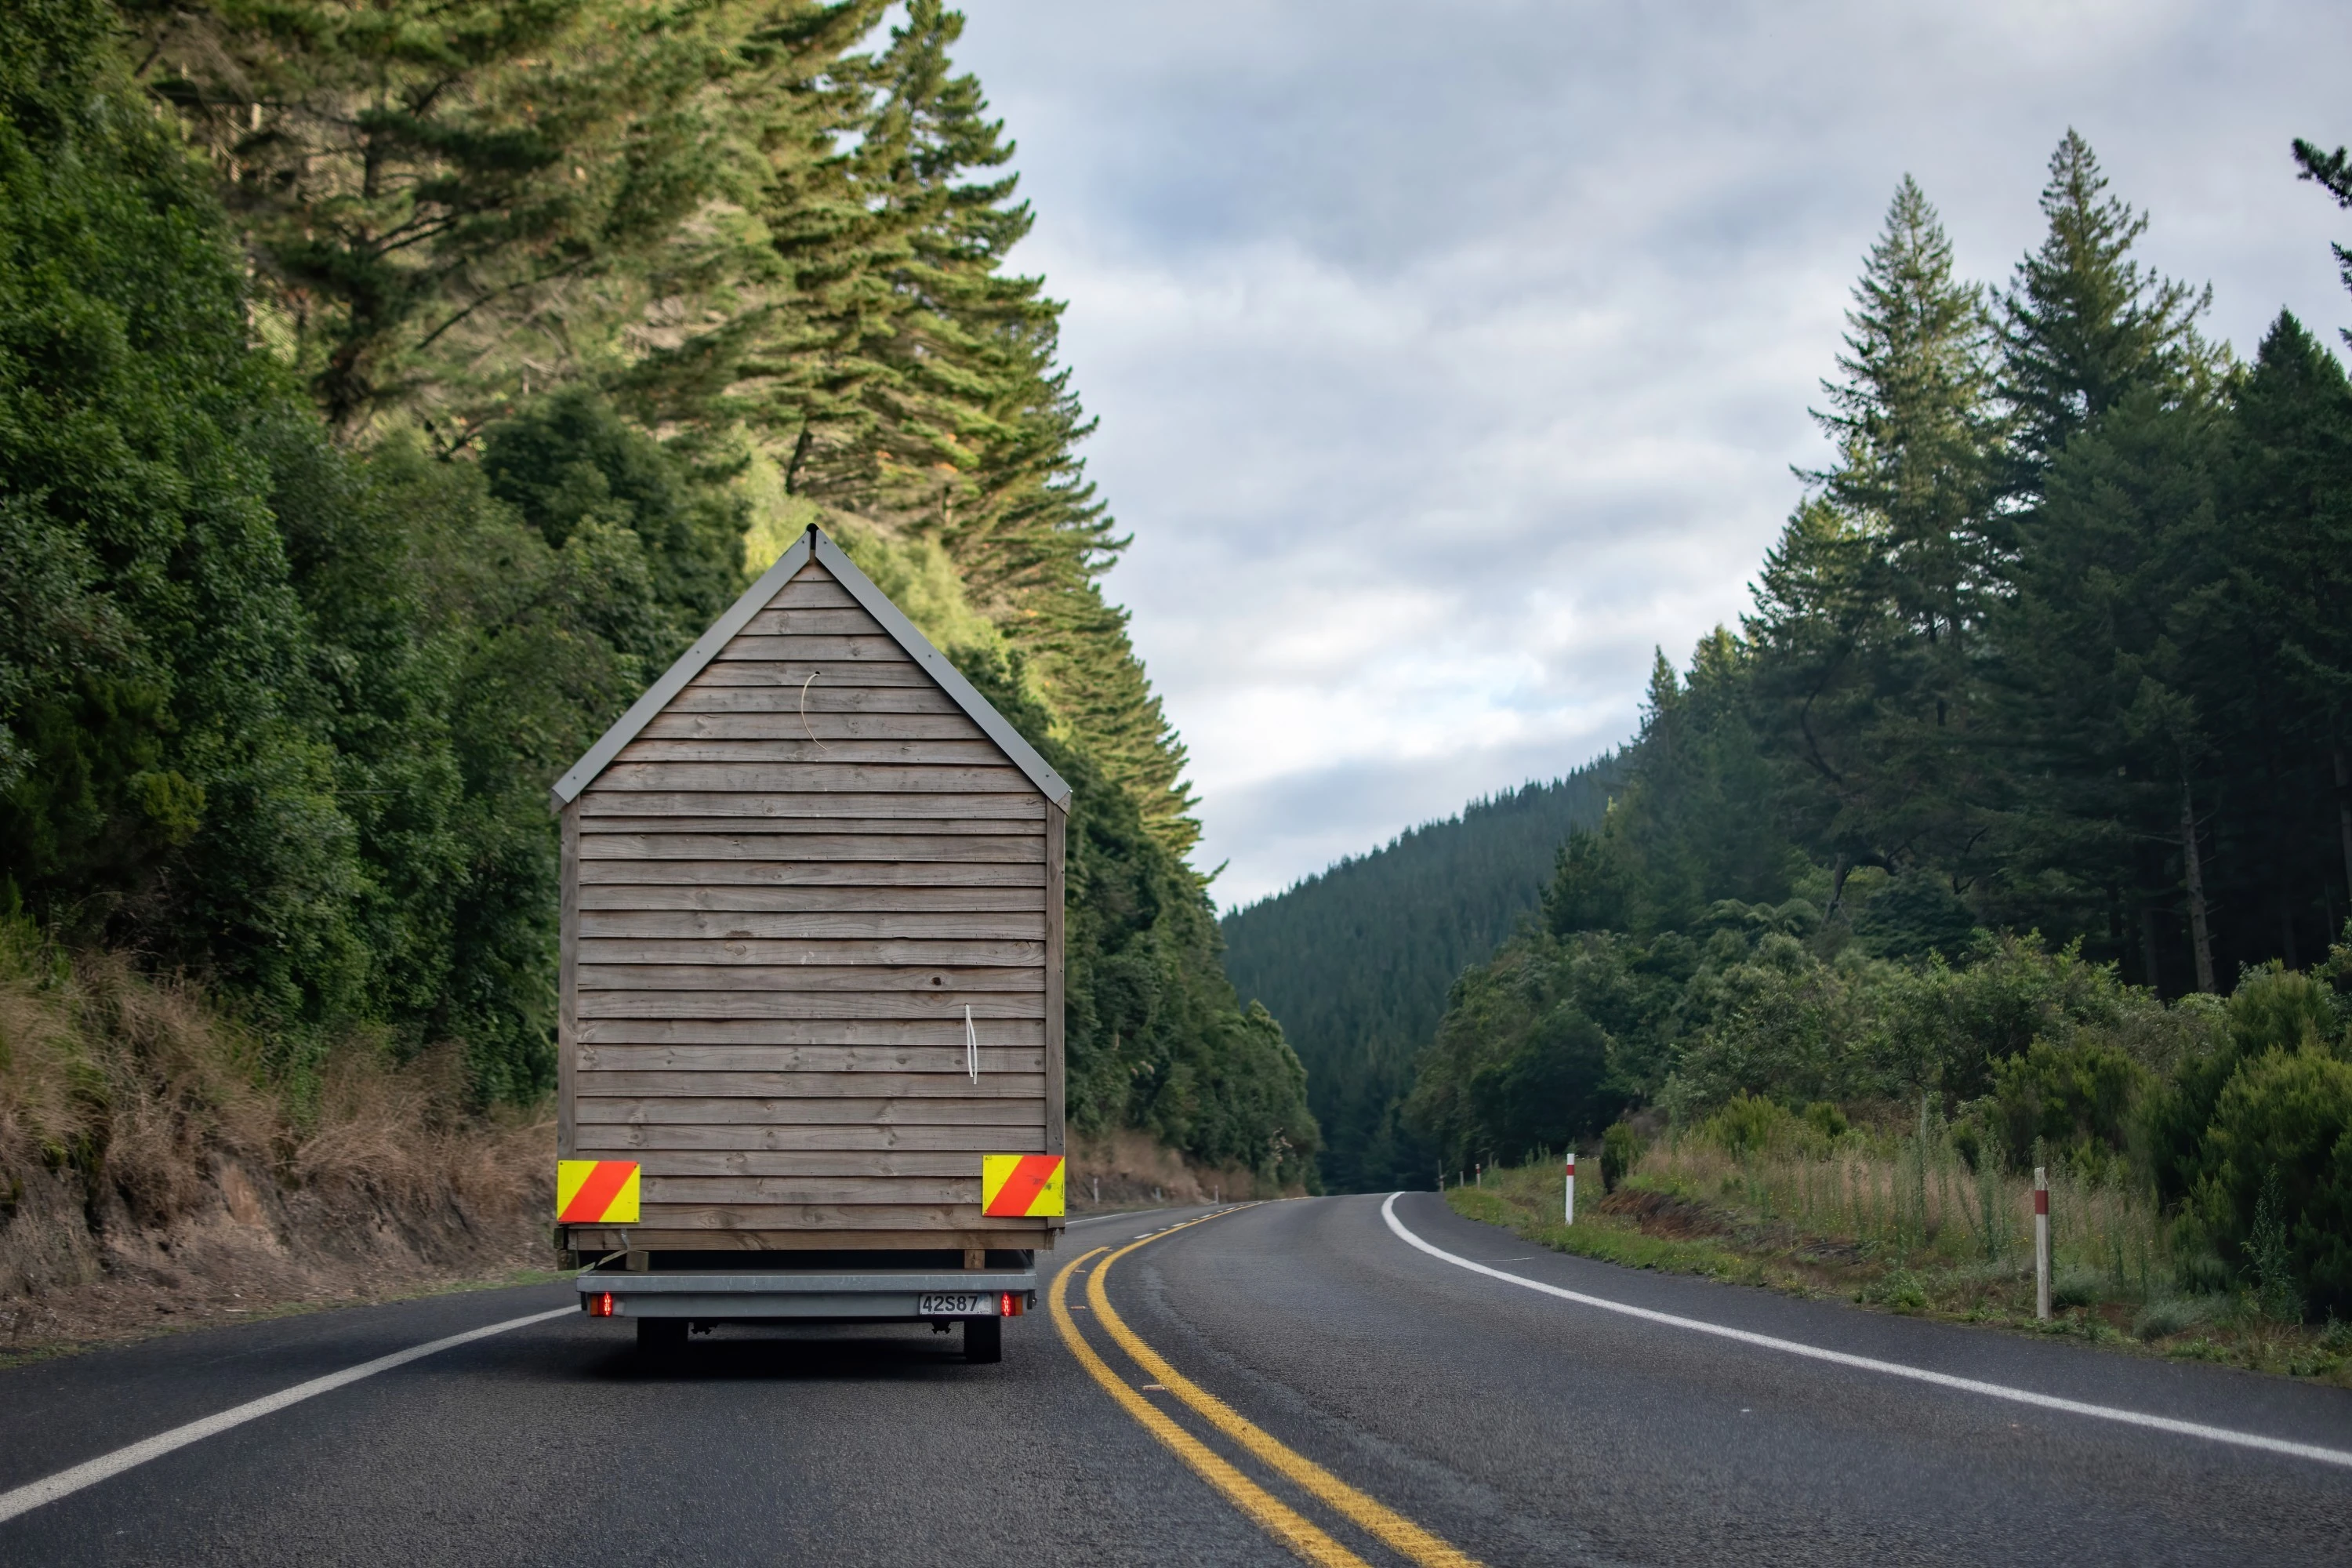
781, 898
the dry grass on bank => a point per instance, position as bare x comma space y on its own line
1130, 1169
1902, 1224
154, 1172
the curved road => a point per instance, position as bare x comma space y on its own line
1390, 1404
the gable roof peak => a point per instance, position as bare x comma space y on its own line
817, 546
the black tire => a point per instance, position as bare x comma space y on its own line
660, 1339
983, 1339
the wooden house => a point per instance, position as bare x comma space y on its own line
812, 937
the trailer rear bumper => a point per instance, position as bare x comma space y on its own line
896, 1295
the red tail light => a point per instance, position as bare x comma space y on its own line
600, 1305
1011, 1304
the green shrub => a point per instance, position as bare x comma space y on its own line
1621, 1147
2075, 1099
1826, 1120
1899, 1291
2166, 1315
2076, 1286
2272, 1009
1968, 1139
2276, 1195
1748, 1124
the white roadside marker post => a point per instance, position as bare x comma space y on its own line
1571, 1185
2040, 1241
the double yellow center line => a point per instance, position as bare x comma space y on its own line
1270, 1513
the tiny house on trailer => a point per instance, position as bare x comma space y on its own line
811, 1011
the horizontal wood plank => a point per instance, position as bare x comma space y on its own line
830, 953
965, 827
817, 700
727, 1110
797, 749
791, 724
808, 778
954, 925
807, 675
812, 873
853, 1060
813, 588
739, 899
666, 1083
596, 810
659, 1193
945, 1032
926, 982
907, 1006
803, 1162
812, 620
831, 847
628, 1140
815, 651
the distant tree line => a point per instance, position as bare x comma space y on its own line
1357, 960
2042, 719
389, 393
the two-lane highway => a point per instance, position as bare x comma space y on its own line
1312, 1379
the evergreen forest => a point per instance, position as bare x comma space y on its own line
1357, 961
2020, 803
389, 393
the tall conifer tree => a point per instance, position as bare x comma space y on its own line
2083, 325
1868, 611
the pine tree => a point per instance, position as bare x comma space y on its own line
2289, 515
2106, 728
2083, 325
446, 204
1869, 610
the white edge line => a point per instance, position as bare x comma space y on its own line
1890, 1368
50, 1488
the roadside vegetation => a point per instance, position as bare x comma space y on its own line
159, 1170
2012, 830
1357, 960
1817, 1206
388, 395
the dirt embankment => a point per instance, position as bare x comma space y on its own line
157, 1171
154, 1175
1130, 1169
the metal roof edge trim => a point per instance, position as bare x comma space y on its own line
688, 665
940, 667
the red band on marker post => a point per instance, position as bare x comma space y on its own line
2041, 1200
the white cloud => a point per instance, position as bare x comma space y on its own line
1449, 358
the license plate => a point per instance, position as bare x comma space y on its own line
960, 1304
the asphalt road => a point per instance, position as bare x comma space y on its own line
1519, 1427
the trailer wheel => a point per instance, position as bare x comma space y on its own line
983, 1339
659, 1338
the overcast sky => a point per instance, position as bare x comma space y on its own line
1451, 357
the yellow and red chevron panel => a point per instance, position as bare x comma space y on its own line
1020, 1187
596, 1191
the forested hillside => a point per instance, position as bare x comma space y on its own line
1356, 961
388, 392
2034, 747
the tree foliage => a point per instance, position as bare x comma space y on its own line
2035, 738
1355, 962
389, 393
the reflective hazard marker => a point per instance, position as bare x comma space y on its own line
596, 1191
1020, 1187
